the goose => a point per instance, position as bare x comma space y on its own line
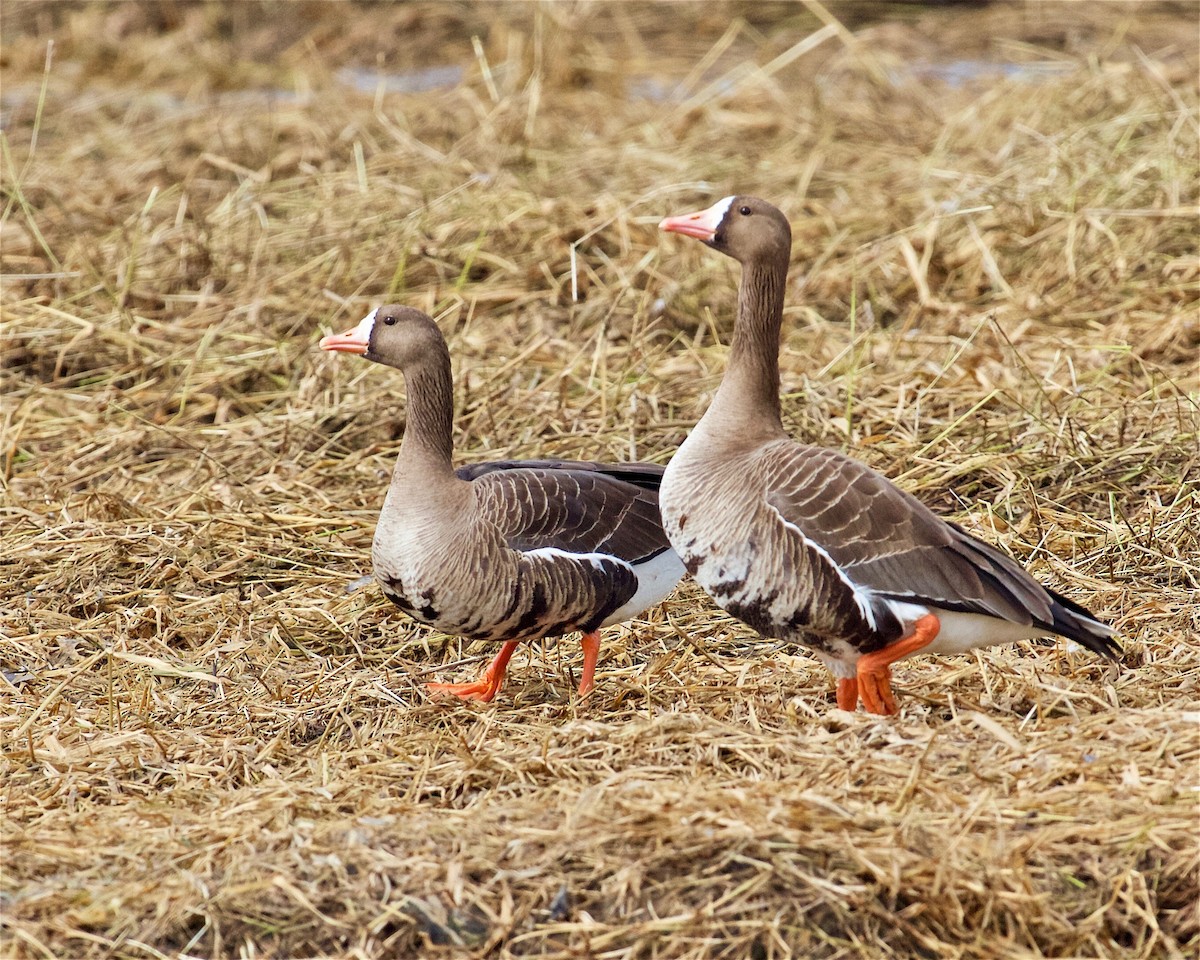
509, 550
807, 545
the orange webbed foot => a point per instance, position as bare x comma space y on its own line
875, 688
847, 693
482, 690
875, 672
487, 686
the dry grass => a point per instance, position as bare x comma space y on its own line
212, 748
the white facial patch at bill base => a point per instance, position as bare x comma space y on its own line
716, 213
365, 326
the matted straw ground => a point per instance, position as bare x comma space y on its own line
214, 748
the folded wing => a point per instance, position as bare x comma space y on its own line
886, 542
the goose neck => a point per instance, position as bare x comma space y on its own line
428, 432
751, 383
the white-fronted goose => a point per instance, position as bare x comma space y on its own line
510, 550
805, 544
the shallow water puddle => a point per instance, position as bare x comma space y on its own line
420, 80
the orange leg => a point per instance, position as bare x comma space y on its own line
486, 686
874, 669
847, 693
591, 650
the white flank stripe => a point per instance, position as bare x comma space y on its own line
595, 559
656, 577
862, 595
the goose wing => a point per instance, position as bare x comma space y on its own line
576, 509
648, 476
888, 544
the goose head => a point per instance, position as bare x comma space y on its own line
393, 334
745, 228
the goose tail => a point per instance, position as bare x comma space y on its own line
1076, 623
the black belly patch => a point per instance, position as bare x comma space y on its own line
424, 610
535, 611
727, 588
755, 611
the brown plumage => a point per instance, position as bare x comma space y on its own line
806, 544
509, 550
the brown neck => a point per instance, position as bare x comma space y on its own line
429, 431
749, 390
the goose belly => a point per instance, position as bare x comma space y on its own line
958, 633
480, 607
785, 611
729, 566
962, 632
426, 595
439, 585
503, 595
656, 578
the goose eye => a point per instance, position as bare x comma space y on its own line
744, 211
390, 321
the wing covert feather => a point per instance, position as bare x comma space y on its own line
887, 541
645, 475
576, 511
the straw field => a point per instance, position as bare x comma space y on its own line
216, 741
